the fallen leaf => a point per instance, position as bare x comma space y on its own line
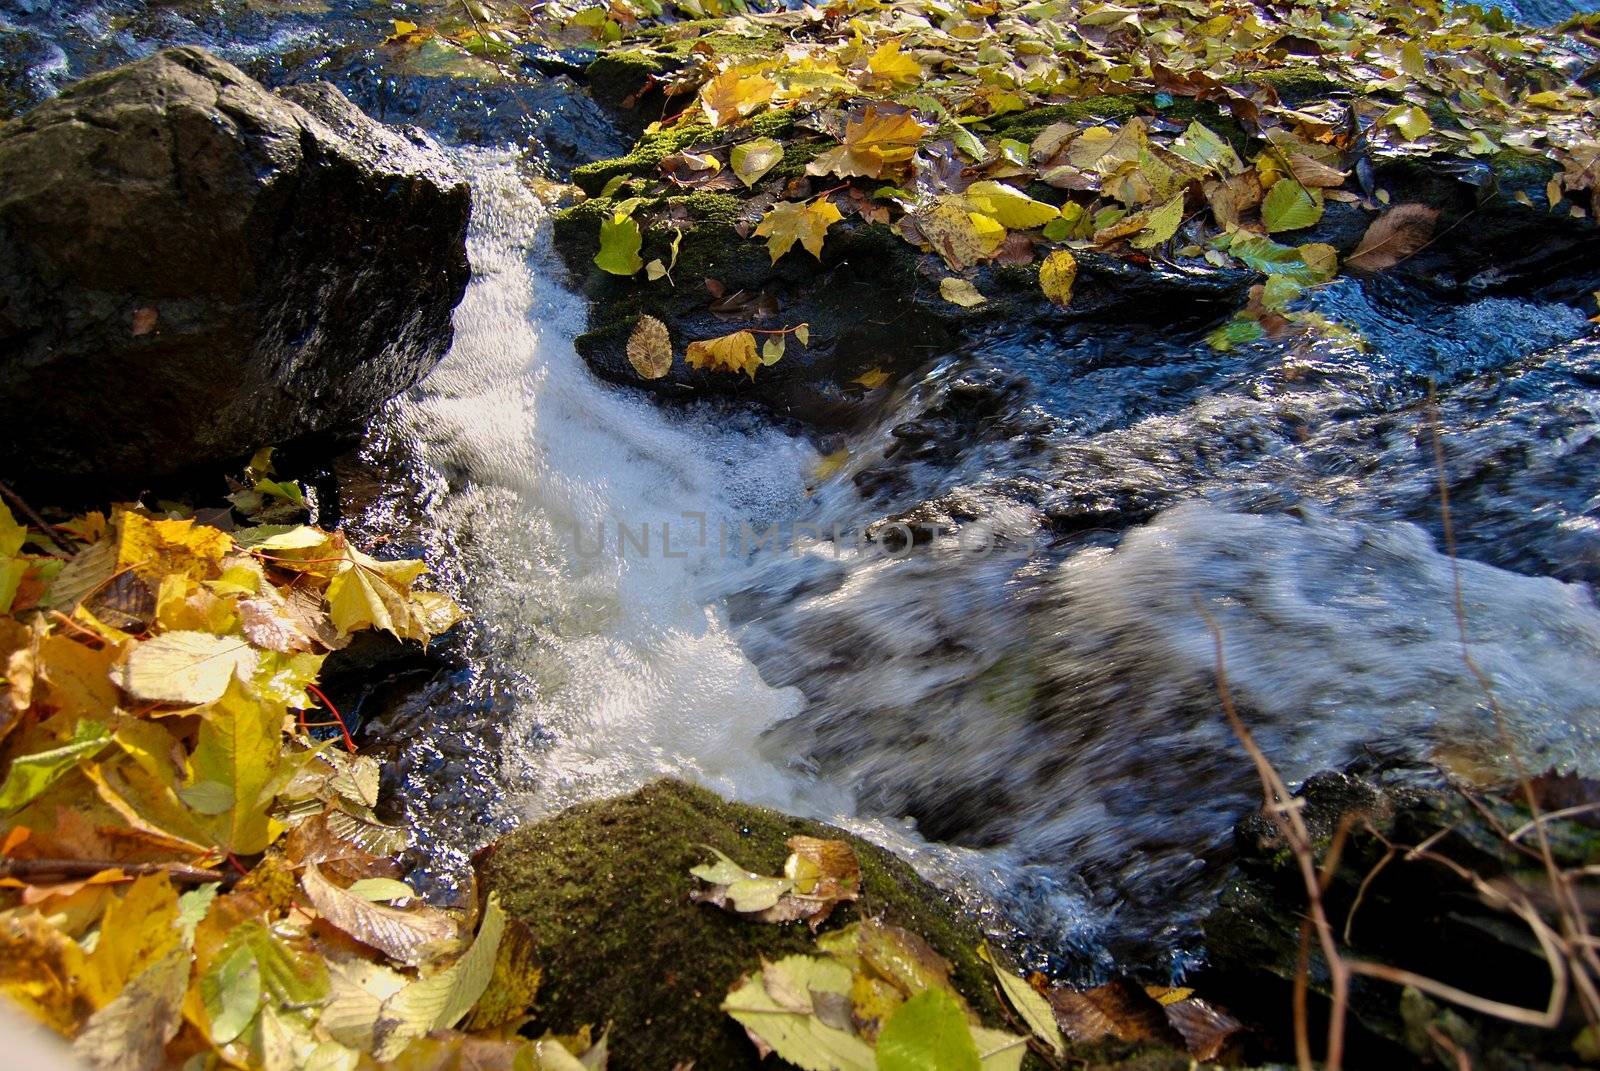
728, 353
650, 348
1028, 1003
1289, 206
620, 241
751, 160
1057, 274
735, 93
184, 667
929, 1032
960, 292
1399, 233
882, 139
789, 222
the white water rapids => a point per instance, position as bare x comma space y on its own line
1055, 724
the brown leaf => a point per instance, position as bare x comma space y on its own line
1118, 1009
650, 348
1397, 234
1205, 1027
410, 937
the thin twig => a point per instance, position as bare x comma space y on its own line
35, 870
45, 528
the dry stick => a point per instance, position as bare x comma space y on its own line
1572, 916
1284, 810
32, 870
37, 521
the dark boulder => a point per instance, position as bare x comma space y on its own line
192, 267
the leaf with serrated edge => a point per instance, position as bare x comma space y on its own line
1033, 1008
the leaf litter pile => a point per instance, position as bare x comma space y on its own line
188, 876
898, 114
878, 997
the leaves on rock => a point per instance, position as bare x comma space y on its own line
959, 291
817, 876
876, 143
751, 160
929, 1032
620, 242
1029, 1004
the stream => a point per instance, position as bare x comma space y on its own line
974, 629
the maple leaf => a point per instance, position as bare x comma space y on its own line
889, 65
729, 353
736, 93
881, 140
789, 222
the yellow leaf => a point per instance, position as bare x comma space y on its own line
829, 464
1011, 206
729, 353
41, 969
1162, 224
1056, 276
879, 141
891, 65
650, 348
797, 221
872, 379
184, 667
238, 752
958, 234
735, 93
751, 160
960, 292
138, 930
152, 549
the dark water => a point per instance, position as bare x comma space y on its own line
1026, 704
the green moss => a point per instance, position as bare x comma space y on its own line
604, 890
1026, 125
1296, 85
643, 160
618, 75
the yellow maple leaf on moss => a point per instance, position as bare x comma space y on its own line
736, 93
729, 353
879, 141
797, 221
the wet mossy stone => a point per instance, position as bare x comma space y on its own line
604, 889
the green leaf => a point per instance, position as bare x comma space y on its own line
751, 160
239, 750
192, 908
1290, 206
620, 240
30, 775
1410, 120
381, 890
1235, 332
1200, 146
1033, 1008
929, 1032
1308, 264
231, 993
1162, 224
12, 534
789, 1025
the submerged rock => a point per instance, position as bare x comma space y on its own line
192, 267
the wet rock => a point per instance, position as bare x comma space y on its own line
530, 102
604, 890
191, 267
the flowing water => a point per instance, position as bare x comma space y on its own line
1024, 703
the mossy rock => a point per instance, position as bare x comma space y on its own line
604, 889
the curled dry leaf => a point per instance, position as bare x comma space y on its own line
818, 876
410, 937
1056, 276
650, 348
1399, 233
